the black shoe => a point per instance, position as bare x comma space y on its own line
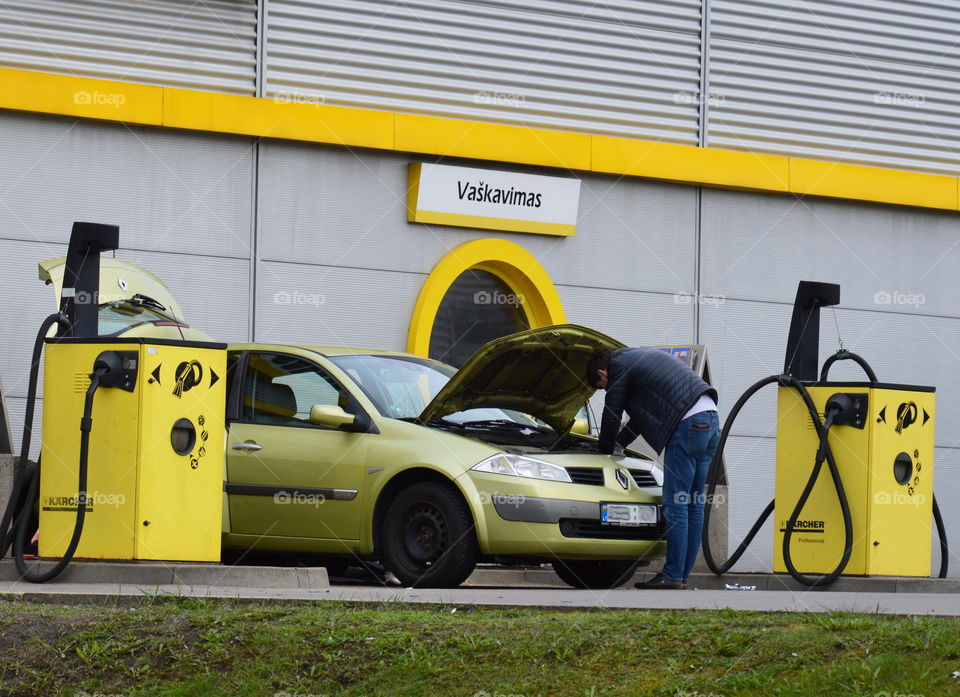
659, 581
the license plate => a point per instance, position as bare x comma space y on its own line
632, 514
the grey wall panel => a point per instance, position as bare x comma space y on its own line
213, 291
746, 342
169, 191
300, 303
751, 475
636, 319
856, 81
201, 45
26, 302
335, 207
615, 68
758, 246
946, 476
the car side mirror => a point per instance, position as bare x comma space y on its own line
330, 415
581, 427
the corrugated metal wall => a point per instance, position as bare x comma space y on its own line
862, 81
183, 202
625, 68
208, 45
898, 310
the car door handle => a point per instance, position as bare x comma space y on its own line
247, 446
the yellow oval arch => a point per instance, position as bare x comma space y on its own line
510, 262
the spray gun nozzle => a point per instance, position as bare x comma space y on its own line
848, 408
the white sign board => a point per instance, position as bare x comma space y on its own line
490, 199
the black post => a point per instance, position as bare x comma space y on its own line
79, 297
803, 343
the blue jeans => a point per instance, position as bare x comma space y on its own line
685, 466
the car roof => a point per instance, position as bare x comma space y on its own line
322, 350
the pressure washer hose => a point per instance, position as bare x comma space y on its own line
824, 452
21, 475
31, 482
21, 529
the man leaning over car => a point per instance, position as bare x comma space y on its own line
669, 406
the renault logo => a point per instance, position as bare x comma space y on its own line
623, 479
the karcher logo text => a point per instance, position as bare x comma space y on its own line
804, 526
69, 503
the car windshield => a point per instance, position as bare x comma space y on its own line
402, 386
118, 316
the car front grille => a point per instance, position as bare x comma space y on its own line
594, 529
586, 475
643, 478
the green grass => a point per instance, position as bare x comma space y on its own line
197, 648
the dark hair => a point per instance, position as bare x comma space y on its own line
600, 360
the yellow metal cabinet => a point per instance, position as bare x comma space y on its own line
156, 459
887, 473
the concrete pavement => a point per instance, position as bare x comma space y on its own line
86, 582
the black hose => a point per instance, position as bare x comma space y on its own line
22, 529
824, 452
713, 475
21, 475
844, 355
942, 534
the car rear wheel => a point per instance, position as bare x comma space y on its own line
598, 575
428, 537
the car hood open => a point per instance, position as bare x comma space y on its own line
122, 280
119, 280
540, 372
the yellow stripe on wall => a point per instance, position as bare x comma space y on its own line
66, 95
489, 223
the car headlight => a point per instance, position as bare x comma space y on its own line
520, 466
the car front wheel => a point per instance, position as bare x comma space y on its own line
598, 575
428, 537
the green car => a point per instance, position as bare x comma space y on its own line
378, 455
430, 469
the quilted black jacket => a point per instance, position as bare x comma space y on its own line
655, 389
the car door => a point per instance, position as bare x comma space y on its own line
286, 476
